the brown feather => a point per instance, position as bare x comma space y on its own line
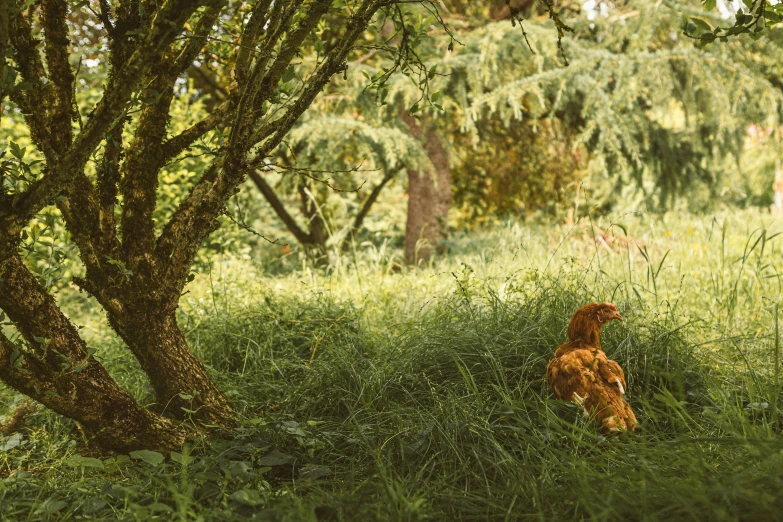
581, 372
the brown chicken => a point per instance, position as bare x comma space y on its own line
580, 371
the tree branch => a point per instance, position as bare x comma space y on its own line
197, 214
267, 83
19, 291
166, 26
145, 157
215, 89
175, 145
104, 16
108, 178
269, 194
56, 47
334, 63
369, 202
255, 27
34, 102
197, 41
276, 25
5, 37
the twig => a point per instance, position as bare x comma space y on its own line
247, 228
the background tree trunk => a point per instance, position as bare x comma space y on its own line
429, 196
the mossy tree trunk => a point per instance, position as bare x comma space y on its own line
134, 269
53, 366
181, 383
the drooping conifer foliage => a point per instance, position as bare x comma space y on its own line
642, 111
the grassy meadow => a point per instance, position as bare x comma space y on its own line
372, 391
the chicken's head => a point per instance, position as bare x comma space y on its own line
587, 321
607, 312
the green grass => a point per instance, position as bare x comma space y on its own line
369, 393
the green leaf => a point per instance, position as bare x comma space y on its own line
700, 27
134, 32
276, 458
772, 17
50, 506
239, 469
159, 507
289, 74
181, 458
249, 497
77, 461
11, 442
93, 505
16, 359
709, 5
314, 472
8, 76
152, 458
17, 151
737, 29
117, 463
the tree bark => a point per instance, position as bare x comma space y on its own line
56, 369
429, 196
160, 347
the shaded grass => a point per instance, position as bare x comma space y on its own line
372, 396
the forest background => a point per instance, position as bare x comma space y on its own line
382, 294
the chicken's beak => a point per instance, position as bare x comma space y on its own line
616, 315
